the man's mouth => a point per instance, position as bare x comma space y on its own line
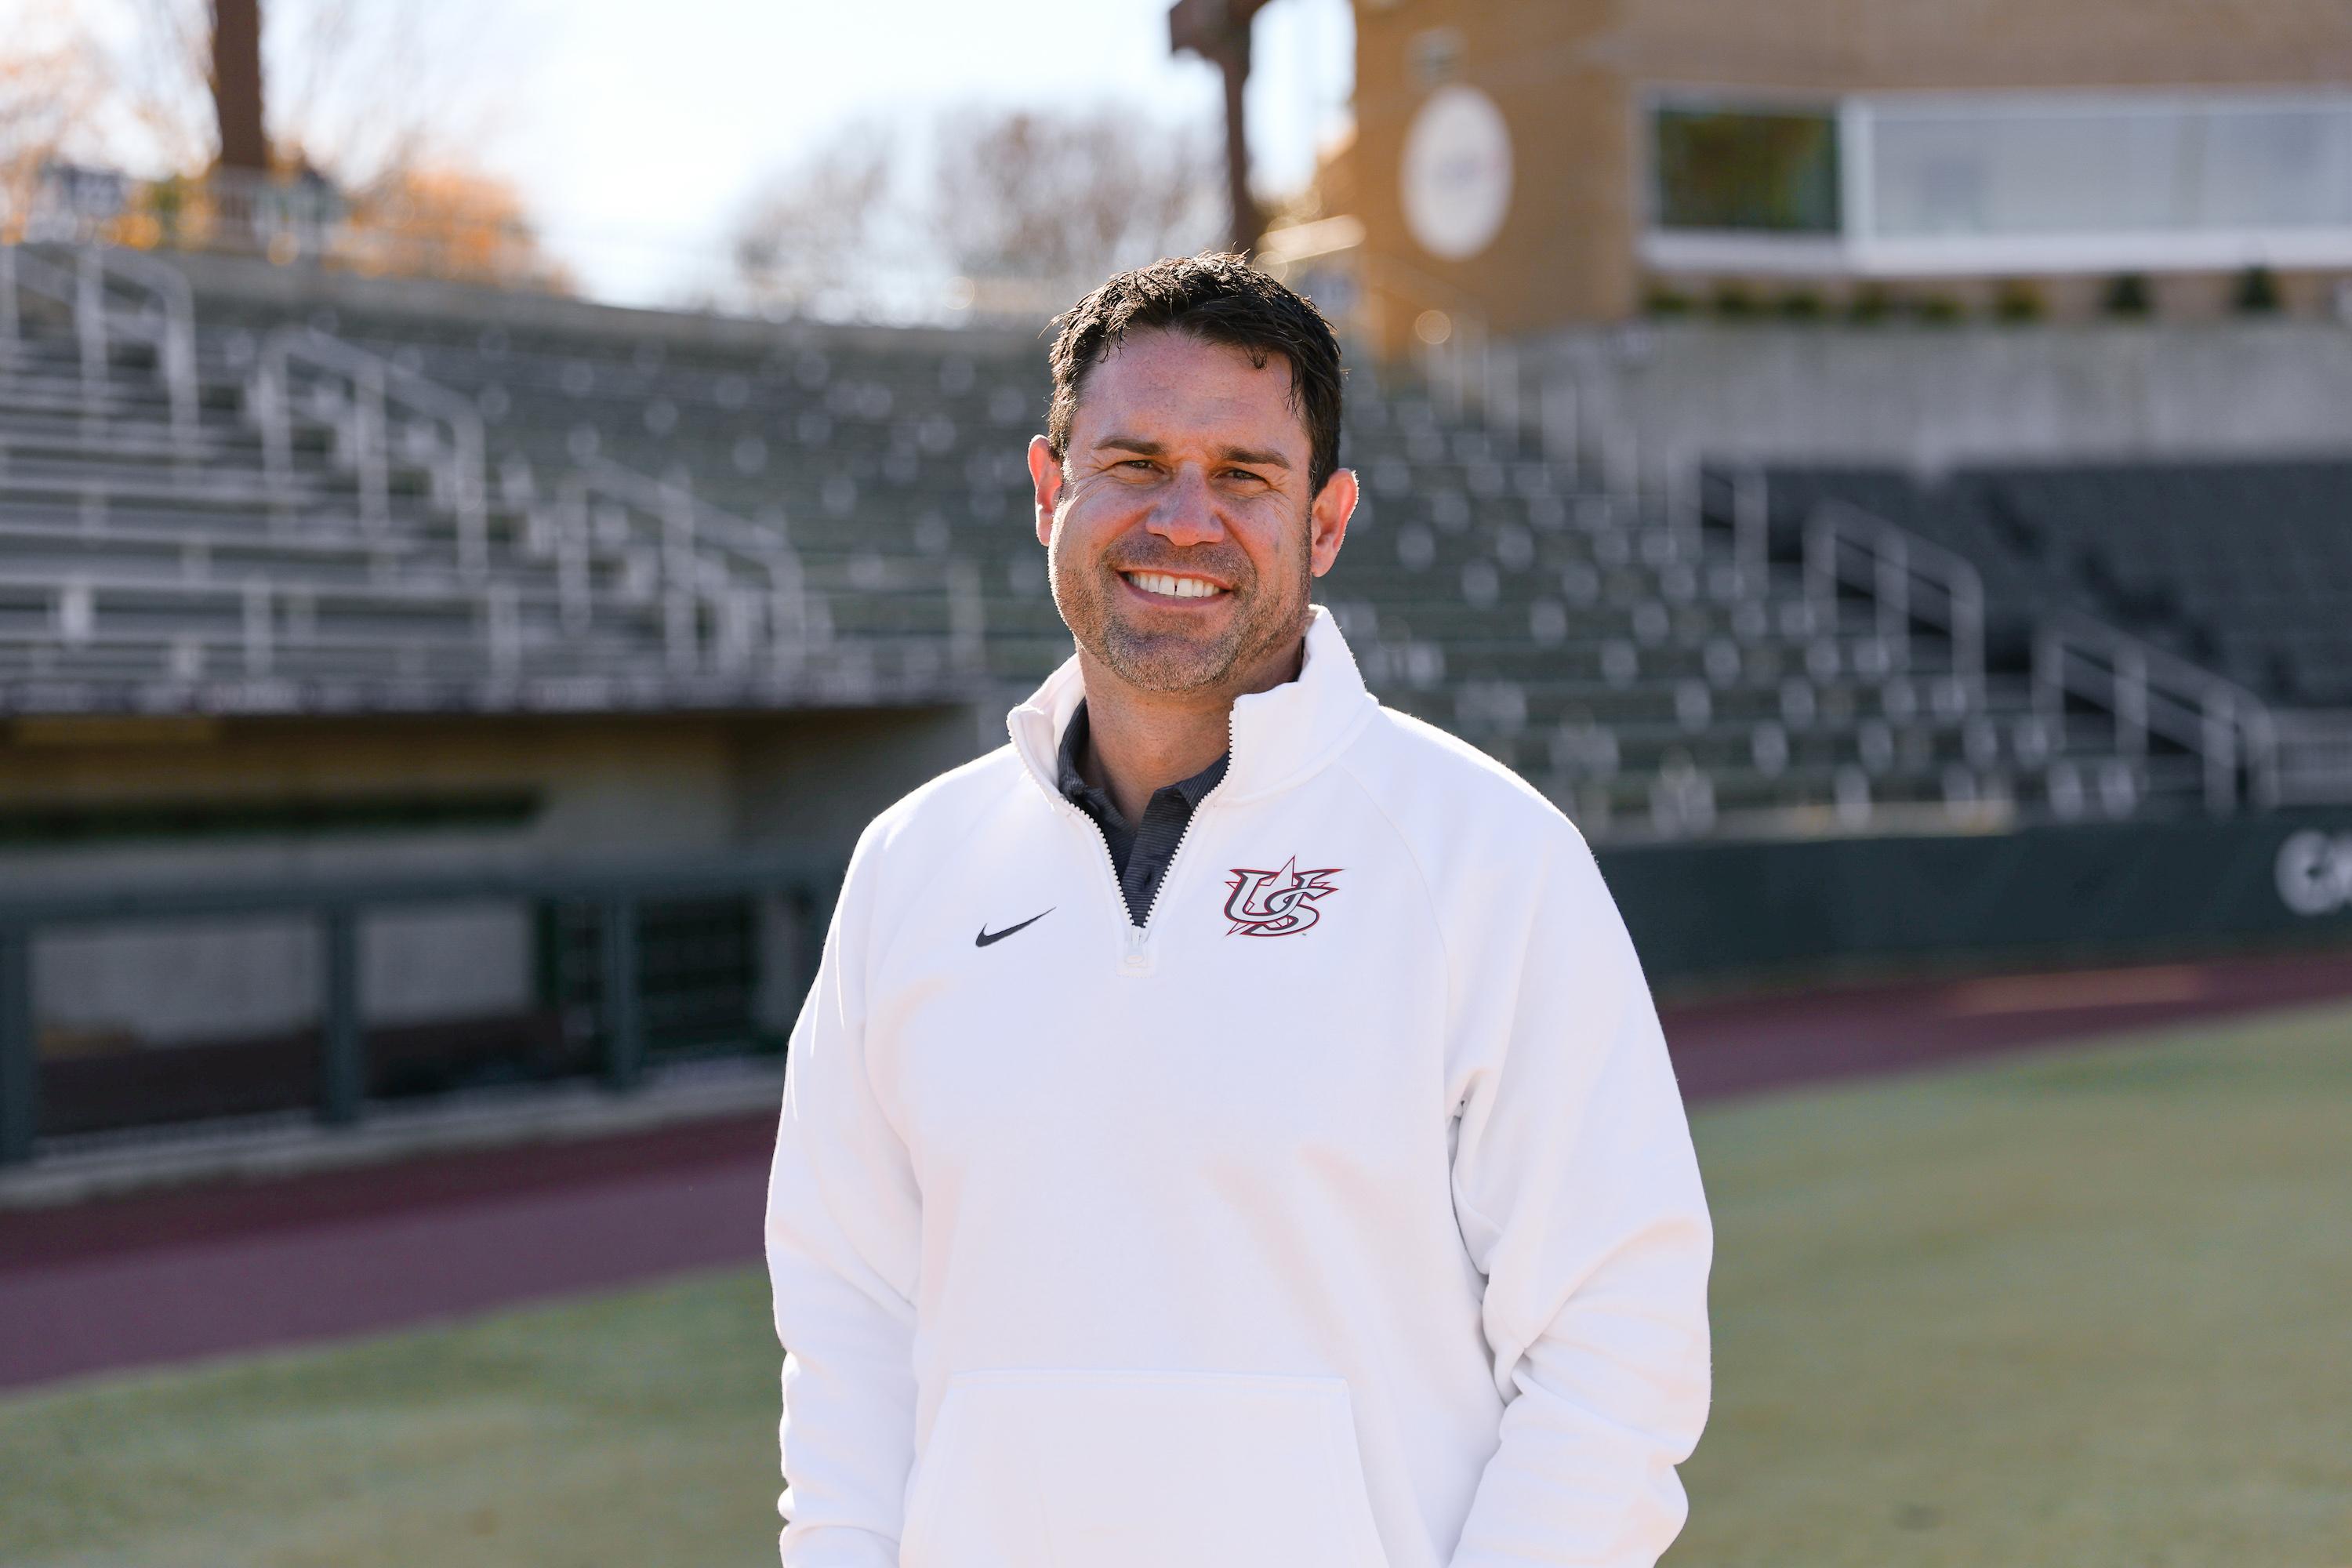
1173, 586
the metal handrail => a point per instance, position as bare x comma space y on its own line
369, 385
1751, 512
1897, 561
799, 618
165, 316
685, 527
2151, 692
174, 325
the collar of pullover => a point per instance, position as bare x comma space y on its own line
1279, 736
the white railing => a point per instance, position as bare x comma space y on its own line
356, 393
160, 311
693, 558
1846, 546
1746, 499
2150, 693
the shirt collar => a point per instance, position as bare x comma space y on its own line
1073, 782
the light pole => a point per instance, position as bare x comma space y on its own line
1218, 31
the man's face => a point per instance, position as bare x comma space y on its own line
1178, 529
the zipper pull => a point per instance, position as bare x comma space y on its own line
1136, 959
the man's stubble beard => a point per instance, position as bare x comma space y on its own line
1085, 591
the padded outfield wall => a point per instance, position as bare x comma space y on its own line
1718, 914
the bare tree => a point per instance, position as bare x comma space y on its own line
159, 84
375, 91
1046, 204
385, 89
820, 236
1011, 212
50, 82
383, 106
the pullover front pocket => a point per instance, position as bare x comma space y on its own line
1075, 1469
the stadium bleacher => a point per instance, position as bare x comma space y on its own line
797, 514
2244, 567
339, 555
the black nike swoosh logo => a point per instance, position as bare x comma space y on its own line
987, 936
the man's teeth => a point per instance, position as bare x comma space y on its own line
1172, 585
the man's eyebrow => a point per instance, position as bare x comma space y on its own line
1247, 454
1224, 453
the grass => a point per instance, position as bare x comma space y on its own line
2080, 1309
637, 1427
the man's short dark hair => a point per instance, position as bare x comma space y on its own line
1218, 298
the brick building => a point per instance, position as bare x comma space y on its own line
1548, 162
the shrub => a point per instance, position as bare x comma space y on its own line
1871, 303
2019, 300
2127, 295
2258, 292
1734, 302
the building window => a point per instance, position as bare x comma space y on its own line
1770, 171
2088, 167
1952, 184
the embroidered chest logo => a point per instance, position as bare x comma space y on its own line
1277, 903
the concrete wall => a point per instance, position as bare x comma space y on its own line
817, 782
819, 779
1928, 396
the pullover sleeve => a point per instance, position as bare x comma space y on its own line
1579, 1196
842, 1243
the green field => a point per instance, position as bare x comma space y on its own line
2077, 1310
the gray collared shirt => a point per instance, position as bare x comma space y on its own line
1140, 854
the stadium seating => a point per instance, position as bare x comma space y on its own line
2244, 567
857, 499
150, 565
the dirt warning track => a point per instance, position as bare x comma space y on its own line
225, 1267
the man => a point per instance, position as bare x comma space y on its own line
1228, 1128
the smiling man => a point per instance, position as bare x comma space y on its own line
1228, 1128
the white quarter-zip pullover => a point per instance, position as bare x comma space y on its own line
1343, 1216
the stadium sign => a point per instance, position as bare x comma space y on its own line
2314, 872
1457, 173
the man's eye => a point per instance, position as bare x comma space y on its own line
1137, 463
1244, 474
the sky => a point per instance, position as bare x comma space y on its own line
637, 131
640, 129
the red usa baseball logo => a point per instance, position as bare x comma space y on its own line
1277, 903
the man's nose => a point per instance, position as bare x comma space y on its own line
1187, 511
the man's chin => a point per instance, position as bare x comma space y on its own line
1167, 661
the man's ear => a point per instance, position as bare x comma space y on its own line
1327, 519
1046, 477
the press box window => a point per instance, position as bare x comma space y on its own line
1773, 172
